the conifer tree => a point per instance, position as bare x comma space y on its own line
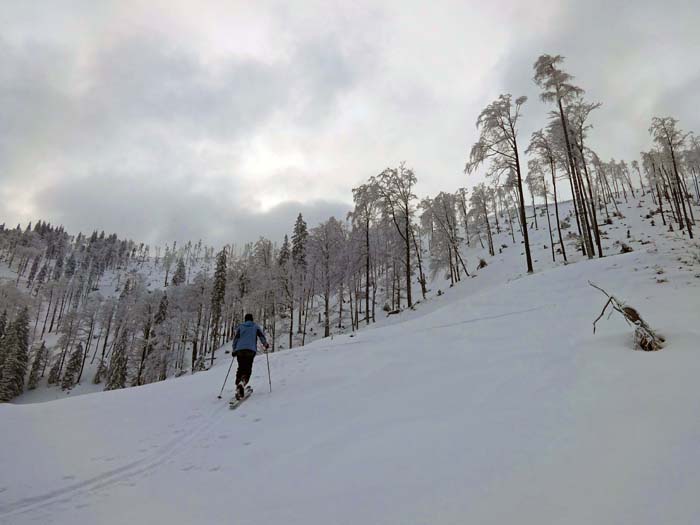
116, 375
3, 323
37, 365
70, 265
7, 349
32, 272
162, 313
100, 372
180, 273
58, 268
300, 237
217, 298
54, 371
16, 348
72, 368
286, 282
41, 278
3, 327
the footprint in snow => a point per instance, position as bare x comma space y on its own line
257, 419
215, 469
68, 478
223, 436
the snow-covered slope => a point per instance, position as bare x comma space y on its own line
492, 404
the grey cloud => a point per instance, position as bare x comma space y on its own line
142, 93
624, 54
116, 121
142, 208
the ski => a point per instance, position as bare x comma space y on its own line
234, 403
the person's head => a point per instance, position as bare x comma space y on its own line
248, 317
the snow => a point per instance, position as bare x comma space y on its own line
494, 403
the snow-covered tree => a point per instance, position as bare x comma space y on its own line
542, 147
117, 373
40, 357
72, 368
15, 345
325, 247
363, 216
498, 144
300, 237
667, 135
557, 87
394, 189
180, 275
217, 299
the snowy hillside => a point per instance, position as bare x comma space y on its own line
494, 403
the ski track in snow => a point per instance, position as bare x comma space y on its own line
111, 477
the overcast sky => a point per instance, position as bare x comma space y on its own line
173, 120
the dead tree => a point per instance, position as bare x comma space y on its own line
644, 337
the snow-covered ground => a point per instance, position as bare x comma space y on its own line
494, 403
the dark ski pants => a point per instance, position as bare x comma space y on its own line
245, 365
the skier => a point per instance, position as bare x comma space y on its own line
245, 345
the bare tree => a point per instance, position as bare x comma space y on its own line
498, 143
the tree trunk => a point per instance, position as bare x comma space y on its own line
367, 246
528, 256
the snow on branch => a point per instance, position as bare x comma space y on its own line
644, 337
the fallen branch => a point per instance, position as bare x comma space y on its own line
644, 337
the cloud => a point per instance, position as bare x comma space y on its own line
142, 208
636, 58
173, 119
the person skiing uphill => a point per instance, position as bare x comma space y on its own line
245, 346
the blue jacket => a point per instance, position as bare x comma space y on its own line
247, 335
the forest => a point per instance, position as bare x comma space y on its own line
130, 313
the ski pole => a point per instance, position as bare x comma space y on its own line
233, 356
269, 378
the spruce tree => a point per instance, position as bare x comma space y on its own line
32, 272
41, 278
37, 364
16, 343
180, 273
284, 255
217, 298
54, 371
100, 373
58, 269
299, 238
70, 265
72, 368
116, 375
8, 347
3, 327
3, 323
162, 312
